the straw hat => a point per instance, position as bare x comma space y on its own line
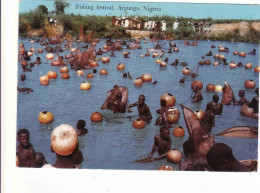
64, 139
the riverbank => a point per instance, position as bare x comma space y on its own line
36, 25
227, 31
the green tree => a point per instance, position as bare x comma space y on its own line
43, 9
36, 19
60, 6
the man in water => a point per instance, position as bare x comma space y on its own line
192, 162
209, 54
114, 100
175, 63
116, 104
64, 143
26, 154
23, 77
197, 97
100, 51
163, 108
208, 120
254, 103
38, 60
242, 100
162, 119
214, 105
252, 52
143, 109
220, 157
162, 142
80, 126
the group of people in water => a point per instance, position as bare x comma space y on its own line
27, 157
163, 141
117, 102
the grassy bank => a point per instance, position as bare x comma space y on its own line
102, 26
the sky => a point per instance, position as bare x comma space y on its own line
186, 10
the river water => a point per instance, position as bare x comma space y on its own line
115, 146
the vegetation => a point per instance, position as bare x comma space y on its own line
60, 6
43, 9
102, 25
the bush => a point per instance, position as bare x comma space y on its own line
60, 6
36, 19
43, 9
184, 32
22, 28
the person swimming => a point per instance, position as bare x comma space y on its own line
162, 142
208, 120
143, 109
243, 100
255, 103
80, 126
115, 103
64, 143
214, 105
252, 52
26, 90
197, 97
175, 63
162, 119
23, 77
209, 54
26, 155
163, 108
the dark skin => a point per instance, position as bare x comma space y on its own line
252, 52
197, 97
126, 55
143, 109
162, 143
82, 131
116, 103
209, 54
163, 108
208, 120
215, 106
26, 154
100, 52
192, 162
255, 102
25, 69
162, 121
25, 90
242, 100
69, 161
23, 77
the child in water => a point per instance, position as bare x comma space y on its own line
162, 142
80, 126
242, 100
143, 109
26, 154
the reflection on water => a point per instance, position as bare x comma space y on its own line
115, 145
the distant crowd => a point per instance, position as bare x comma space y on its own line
151, 25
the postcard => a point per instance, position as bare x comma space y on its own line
114, 89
